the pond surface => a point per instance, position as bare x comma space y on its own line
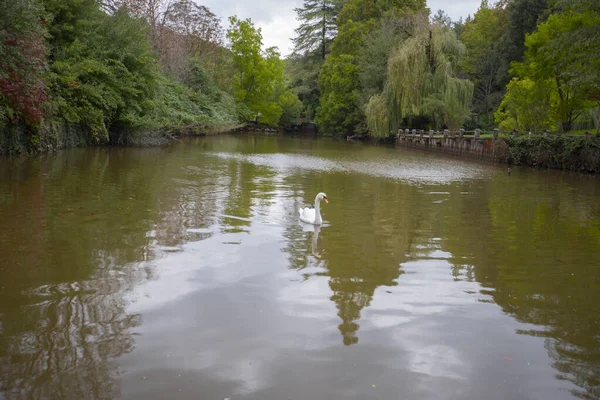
184, 273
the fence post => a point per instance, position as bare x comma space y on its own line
414, 131
431, 133
477, 132
495, 134
461, 132
446, 133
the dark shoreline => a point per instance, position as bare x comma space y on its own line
569, 153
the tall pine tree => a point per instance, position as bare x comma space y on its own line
318, 25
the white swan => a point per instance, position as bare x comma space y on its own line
313, 215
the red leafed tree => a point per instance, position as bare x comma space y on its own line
22, 60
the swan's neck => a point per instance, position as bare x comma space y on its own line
317, 210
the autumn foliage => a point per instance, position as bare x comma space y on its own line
23, 91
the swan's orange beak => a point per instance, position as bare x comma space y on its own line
325, 200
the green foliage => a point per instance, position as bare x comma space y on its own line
291, 109
378, 118
422, 82
258, 77
523, 17
102, 74
339, 112
567, 71
302, 72
378, 44
557, 151
567, 47
246, 42
484, 60
199, 79
341, 109
106, 75
312, 43
528, 106
547, 60
339, 83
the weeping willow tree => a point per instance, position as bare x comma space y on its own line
422, 82
377, 111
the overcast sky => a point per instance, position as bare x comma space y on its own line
278, 19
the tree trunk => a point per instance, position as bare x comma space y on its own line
323, 10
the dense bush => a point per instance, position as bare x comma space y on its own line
557, 151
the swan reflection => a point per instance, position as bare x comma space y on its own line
315, 240
316, 230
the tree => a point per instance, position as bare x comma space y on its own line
378, 44
484, 58
23, 52
258, 78
291, 107
153, 11
570, 41
340, 106
302, 71
422, 81
442, 18
103, 71
189, 31
527, 106
246, 42
317, 26
339, 112
312, 43
569, 69
201, 28
523, 17
573, 66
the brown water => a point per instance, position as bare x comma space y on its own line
184, 273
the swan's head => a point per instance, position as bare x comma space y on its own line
322, 196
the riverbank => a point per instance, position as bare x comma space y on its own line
566, 152
16, 139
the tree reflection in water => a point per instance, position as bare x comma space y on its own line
78, 234
363, 253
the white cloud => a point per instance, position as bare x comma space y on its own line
279, 31
456, 8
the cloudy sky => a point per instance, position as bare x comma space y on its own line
278, 19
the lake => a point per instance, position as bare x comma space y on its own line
185, 273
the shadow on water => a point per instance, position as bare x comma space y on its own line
83, 231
